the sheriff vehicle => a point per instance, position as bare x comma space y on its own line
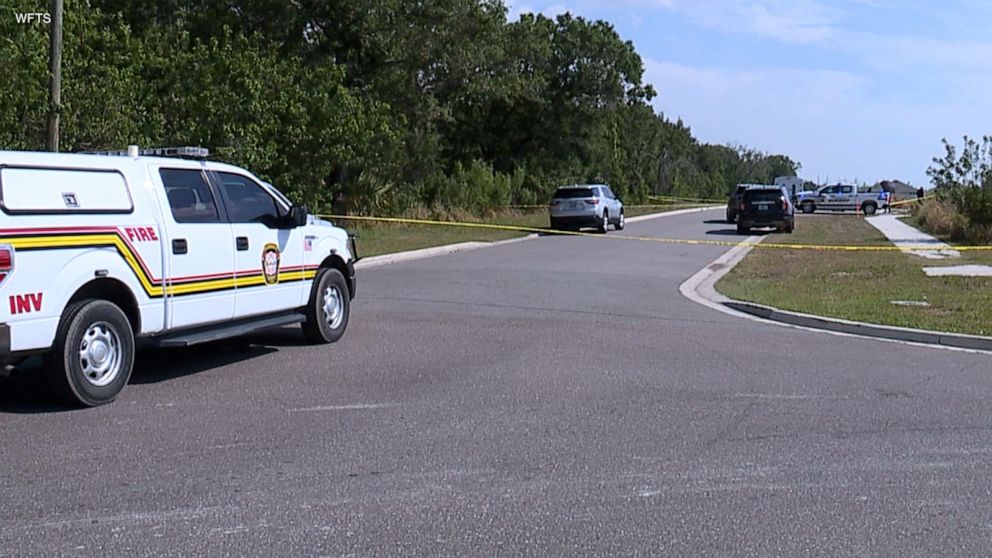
100, 252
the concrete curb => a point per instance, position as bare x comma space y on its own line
397, 257
640, 218
434, 251
700, 288
923, 336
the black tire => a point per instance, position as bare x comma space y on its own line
790, 226
731, 220
743, 230
604, 223
102, 330
869, 208
808, 207
620, 222
329, 288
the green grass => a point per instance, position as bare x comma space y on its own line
385, 238
861, 285
980, 257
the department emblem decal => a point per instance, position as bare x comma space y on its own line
270, 264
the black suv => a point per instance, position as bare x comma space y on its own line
734, 202
766, 207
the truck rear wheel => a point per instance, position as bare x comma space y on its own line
869, 208
93, 355
328, 309
808, 207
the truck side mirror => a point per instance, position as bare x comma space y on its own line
297, 216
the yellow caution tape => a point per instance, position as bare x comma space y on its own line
692, 242
681, 198
645, 206
913, 200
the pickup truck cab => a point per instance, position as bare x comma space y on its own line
839, 197
100, 252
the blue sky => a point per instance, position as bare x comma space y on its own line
853, 89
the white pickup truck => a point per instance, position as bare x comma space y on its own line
98, 252
840, 197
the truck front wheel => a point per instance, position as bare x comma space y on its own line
328, 309
93, 355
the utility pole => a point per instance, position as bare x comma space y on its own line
54, 77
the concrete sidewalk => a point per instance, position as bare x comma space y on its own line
910, 239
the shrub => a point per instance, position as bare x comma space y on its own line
942, 219
475, 188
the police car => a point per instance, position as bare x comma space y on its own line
161, 246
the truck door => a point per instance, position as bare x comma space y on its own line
850, 196
828, 197
199, 283
268, 257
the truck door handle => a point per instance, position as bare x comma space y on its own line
242, 243
179, 246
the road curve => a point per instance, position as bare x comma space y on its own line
550, 397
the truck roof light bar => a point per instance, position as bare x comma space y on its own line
185, 152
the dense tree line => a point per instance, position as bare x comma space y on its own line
395, 103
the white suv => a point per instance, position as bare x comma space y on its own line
98, 251
590, 205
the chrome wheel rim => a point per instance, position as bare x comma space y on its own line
100, 354
333, 307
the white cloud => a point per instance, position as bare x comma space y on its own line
794, 21
516, 9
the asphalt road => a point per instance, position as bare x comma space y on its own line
551, 397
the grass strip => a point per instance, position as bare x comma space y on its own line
862, 285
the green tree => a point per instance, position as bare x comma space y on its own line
965, 179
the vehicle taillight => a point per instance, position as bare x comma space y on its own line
785, 204
593, 201
742, 206
6, 261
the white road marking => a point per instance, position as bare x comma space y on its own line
348, 407
787, 396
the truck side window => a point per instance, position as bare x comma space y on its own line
189, 196
247, 201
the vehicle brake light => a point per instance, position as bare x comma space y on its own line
785, 204
6, 261
593, 201
743, 205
